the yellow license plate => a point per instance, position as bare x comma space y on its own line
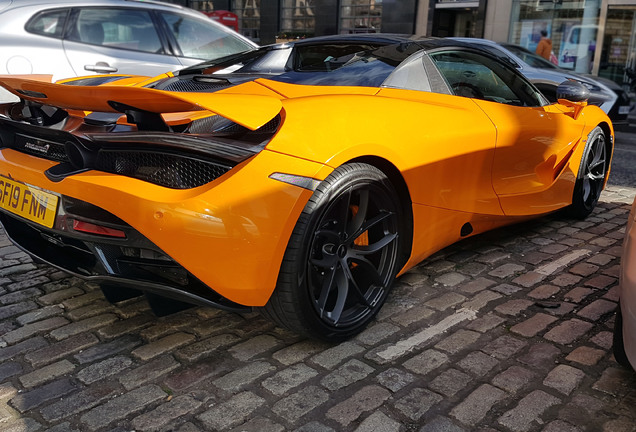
26, 201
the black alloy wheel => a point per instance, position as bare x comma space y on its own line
342, 257
592, 173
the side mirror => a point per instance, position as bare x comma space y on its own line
574, 95
572, 91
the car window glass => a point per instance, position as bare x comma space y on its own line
531, 58
116, 28
201, 39
473, 75
49, 23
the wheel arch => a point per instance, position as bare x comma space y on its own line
398, 182
609, 144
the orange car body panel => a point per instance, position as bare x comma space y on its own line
462, 160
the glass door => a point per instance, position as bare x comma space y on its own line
618, 55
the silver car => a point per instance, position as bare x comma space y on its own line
71, 38
608, 95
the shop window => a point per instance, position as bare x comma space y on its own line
360, 16
297, 19
249, 16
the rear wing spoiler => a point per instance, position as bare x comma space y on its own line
249, 110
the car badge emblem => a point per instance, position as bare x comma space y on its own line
41, 148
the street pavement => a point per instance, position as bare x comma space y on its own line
506, 331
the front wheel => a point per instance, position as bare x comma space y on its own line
591, 177
342, 256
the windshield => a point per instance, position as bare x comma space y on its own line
529, 57
366, 68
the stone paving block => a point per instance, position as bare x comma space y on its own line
507, 270
612, 380
287, 379
80, 401
478, 363
600, 282
126, 326
163, 345
17, 309
603, 339
55, 297
331, 357
46, 373
297, 405
84, 325
476, 405
314, 427
347, 374
26, 401
586, 355
253, 347
514, 307
564, 378
513, 379
445, 301
104, 369
481, 300
449, 382
426, 362
206, 348
560, 426
122, 406
486, 323
32, 344
568, 331
528, 411
366, 399
148, 372
395, 379
533, 325
504, 347
544, 292
566, 280
378, 421
450, 279
30, 330
597, 309
476, 285
83, 300
168, 411
578, 294
103, 350
24, 424
38, 315
95, 308
193, 374
238, 378
458, 341
61, 349
584, 269
529, 279
417, 403
9, 369
376, 333
259, 424
418, 313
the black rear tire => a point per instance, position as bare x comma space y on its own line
342, 256
592, 175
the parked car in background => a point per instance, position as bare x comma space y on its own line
608, 95
301, 196
72, 38
625, 324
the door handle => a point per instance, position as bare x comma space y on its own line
101, 67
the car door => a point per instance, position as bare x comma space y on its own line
116, 40
534, 139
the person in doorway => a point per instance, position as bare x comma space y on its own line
544, 47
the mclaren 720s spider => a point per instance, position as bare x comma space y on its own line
302, 195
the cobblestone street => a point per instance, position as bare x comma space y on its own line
507, 331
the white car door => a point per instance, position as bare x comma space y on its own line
116, 40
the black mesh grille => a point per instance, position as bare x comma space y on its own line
167, 170
193, 86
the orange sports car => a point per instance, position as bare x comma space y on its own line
302, 195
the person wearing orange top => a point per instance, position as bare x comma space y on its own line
544, 48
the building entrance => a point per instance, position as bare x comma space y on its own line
618, 56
